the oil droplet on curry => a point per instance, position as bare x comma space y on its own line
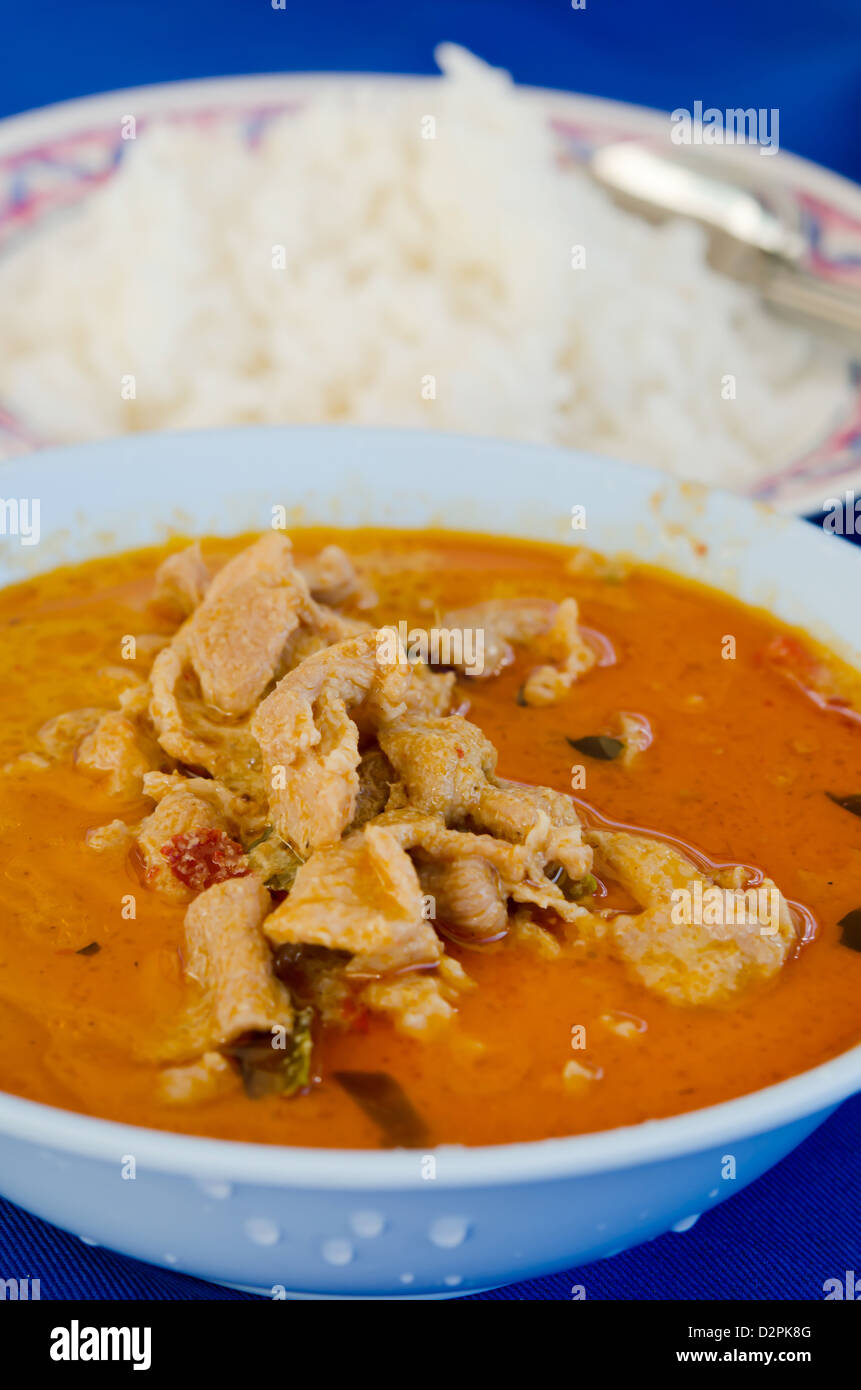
384, 838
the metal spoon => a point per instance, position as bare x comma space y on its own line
749, 242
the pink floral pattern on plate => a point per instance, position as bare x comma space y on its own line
39, 181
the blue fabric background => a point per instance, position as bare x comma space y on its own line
801, 1223
780, 1238
800, 57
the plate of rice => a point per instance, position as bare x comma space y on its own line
420, 252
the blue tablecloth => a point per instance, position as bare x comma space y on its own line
781, 1238
800, 1224
803, 59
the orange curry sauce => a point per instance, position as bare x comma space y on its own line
740, 766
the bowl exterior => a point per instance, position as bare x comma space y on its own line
436, 1242
294, 1221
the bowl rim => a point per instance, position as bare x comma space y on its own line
183, 94
809, 1094
806, 1095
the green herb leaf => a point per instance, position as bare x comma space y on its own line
849, 803
276, 863
268, 1070
282, 881
573, 888
300, 966
261, 839
851, 927
297, 1067
577, 888
385, 1102
600, 746
91, 950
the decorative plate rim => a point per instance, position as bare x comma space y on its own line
830, 465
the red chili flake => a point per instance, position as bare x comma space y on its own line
788, 653
796, 663
355, 1016
203, 857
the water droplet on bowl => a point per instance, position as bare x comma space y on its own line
338, 1252
448, 1231
367, 1223
220, 1191
685, 1225
261, 1231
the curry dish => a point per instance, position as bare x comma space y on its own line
379, 838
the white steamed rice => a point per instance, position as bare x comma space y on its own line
426, 282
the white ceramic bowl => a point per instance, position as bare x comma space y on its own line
393, 1223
